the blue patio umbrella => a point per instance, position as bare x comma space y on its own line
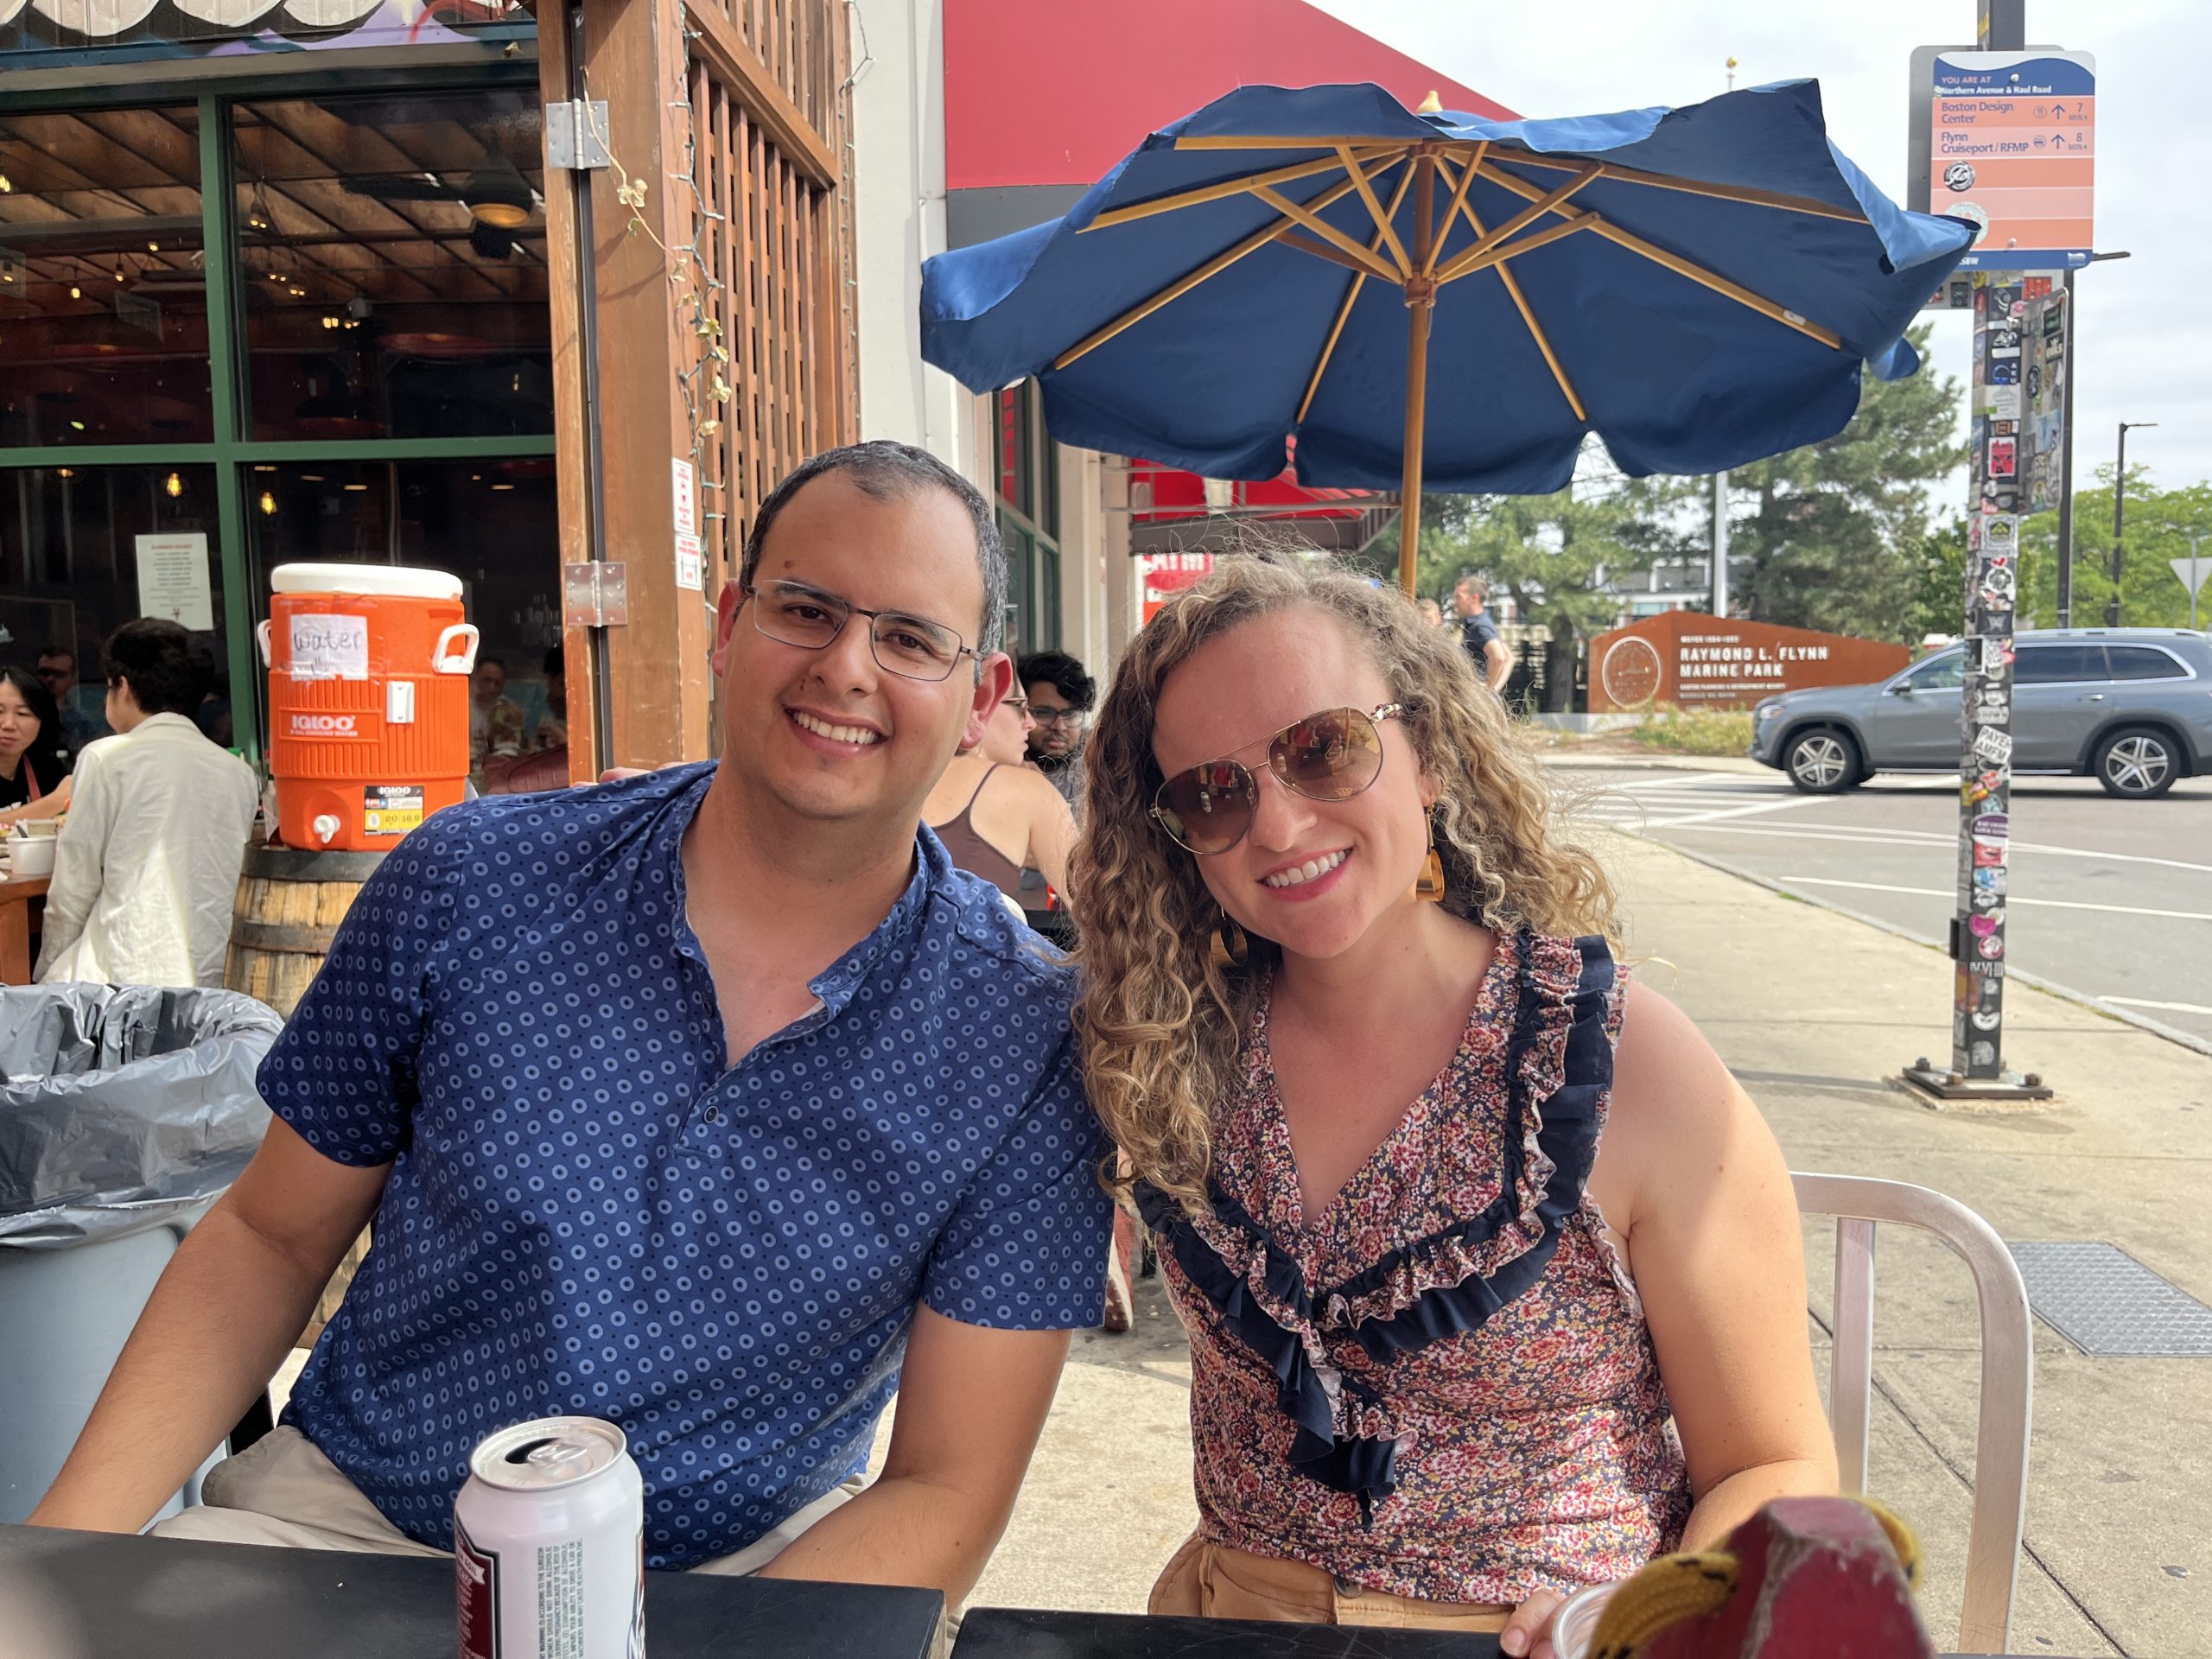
1427, 297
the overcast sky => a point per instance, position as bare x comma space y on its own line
2144, 354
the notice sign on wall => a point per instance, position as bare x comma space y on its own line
2012, 148
1689, 658
173, 581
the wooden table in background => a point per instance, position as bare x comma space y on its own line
21, 899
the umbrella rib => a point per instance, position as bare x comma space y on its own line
1471, 259
1344, 311
1744, 194
1528, 317
1323, 250
1475, 259
1451, 209
1183, 284
1328, 232
1239, 186
1375, 209
1675, 262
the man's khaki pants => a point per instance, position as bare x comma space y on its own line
282, 1489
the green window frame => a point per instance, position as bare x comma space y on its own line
1026, 458
232, 453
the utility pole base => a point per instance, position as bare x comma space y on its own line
1941, 1082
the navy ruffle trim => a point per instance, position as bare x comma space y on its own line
1568, 1136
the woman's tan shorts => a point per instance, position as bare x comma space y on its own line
1203, 1580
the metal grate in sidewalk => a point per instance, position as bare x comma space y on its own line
2108, 1304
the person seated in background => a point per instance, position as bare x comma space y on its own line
544, 763
35, 760
146, 866
83, 718
997, 816
495, 720
1492, 1272
1432, 613
1061, 695
551, 731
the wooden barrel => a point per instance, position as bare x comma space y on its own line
289, 906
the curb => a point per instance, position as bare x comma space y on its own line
2035, 981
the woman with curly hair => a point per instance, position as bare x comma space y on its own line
1491, 1272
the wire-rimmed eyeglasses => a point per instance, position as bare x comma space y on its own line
912, 647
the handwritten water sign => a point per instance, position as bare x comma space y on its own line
328, 646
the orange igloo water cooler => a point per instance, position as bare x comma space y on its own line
368, 701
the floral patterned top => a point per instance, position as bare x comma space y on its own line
1468, 1410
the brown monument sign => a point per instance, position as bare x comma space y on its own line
1697, 661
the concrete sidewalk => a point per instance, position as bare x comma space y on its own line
1816, 1013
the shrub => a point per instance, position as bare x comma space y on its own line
1695, 731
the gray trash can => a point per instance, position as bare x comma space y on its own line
124, 1112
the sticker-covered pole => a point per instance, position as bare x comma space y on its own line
1985, 725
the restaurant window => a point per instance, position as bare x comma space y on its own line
393, 265
87, 548
103, 281
493, 523
1025, 470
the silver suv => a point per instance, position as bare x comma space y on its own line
2130, 707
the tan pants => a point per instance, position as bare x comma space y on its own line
282, 1489
1203, 1580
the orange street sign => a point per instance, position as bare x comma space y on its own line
2012, 148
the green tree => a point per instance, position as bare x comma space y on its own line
1833, 535
1552, 555
2158, 525
1939, 581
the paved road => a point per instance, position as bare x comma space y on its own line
2110, 899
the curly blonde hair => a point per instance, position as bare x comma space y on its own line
1160, 1023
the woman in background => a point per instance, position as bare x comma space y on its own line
997, 815
35, 766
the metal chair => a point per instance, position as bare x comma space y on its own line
2000, 1465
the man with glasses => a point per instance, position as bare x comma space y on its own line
1060, 696
84, 715
714, 1103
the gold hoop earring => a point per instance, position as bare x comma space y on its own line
1231, 949
1428, 886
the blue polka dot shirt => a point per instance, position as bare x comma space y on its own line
590, 1213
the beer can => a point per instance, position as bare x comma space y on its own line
548, 1541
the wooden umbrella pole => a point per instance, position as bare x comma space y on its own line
1421, 307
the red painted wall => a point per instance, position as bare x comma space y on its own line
1056, 91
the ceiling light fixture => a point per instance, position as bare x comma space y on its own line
75, 292
174, 485
268, 503
257, 216
496, 194
7, 185
65, 472
357, 487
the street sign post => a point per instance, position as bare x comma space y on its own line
2192, 573
2010, 141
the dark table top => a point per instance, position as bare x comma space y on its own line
1026, 1633
1023, 1633
89, 1595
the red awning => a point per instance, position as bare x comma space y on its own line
1160, 493
1056, 91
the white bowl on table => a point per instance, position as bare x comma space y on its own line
29, 855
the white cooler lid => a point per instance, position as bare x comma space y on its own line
395, 580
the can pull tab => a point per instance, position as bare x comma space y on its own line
326, 827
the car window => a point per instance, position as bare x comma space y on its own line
2144, 663
1940, 673
2050, 664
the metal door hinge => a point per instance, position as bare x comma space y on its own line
575, 135
595, 594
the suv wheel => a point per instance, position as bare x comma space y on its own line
1821, 761
2138, 762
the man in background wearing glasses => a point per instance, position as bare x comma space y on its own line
714, 1103
1060, 695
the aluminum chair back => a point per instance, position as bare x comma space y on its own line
2000, 1465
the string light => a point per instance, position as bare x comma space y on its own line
75, 292
7, 185
268, 503
175, 486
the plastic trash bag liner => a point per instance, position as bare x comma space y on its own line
122, 1106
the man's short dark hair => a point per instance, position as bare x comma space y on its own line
1063, 673
60, 651
883, 471
500, 663
167, 670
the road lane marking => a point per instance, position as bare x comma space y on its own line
2044, 904
1921, 837
2169, 1007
